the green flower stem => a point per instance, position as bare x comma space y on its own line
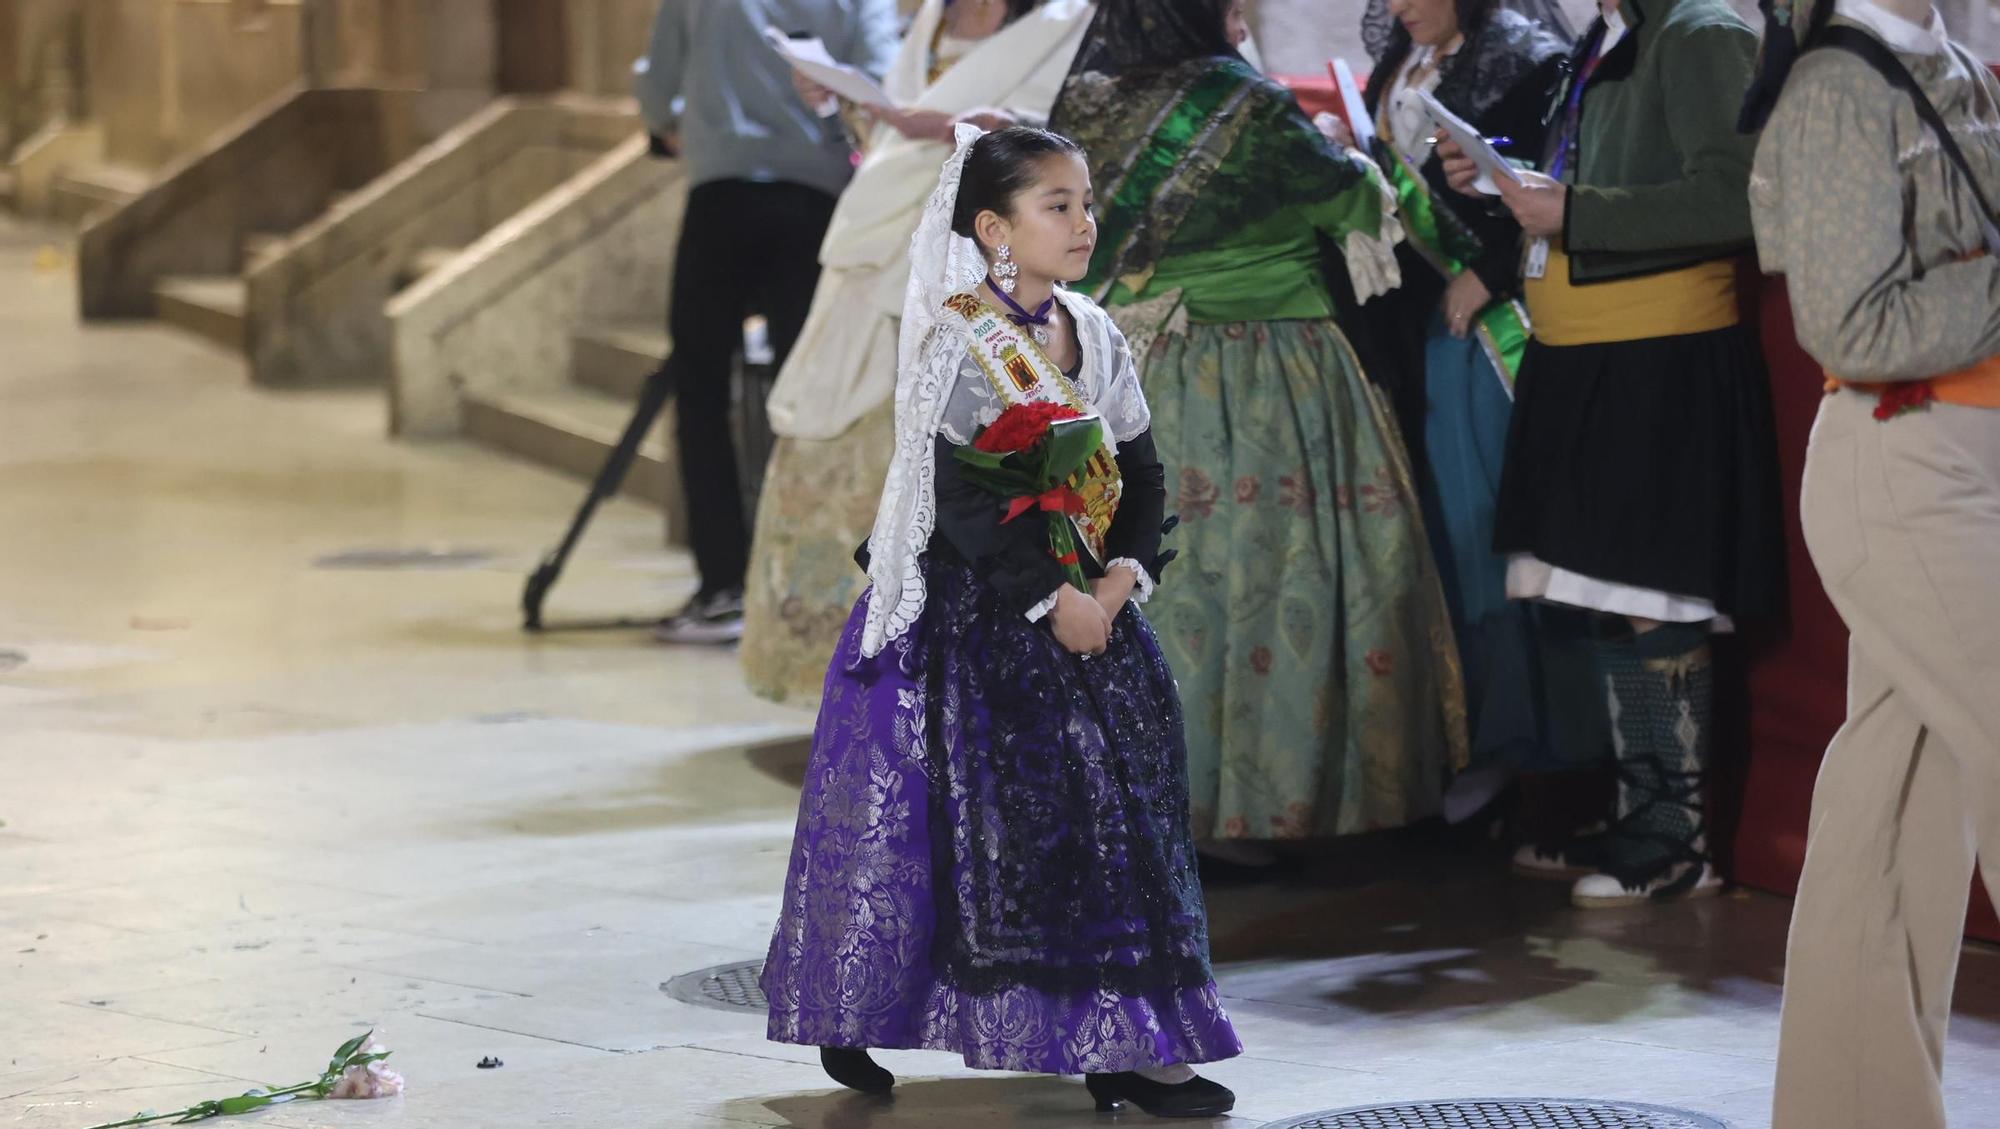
1062, 539
220, 1107
346, 1057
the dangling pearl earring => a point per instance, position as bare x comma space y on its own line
1004, 269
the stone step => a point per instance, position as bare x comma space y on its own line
431, 258
210, 305
260, 245
424, 262
573, 430
81, 191
616, 359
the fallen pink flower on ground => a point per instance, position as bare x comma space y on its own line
369, 1078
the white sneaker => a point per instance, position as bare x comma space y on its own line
716, 618
1602, 891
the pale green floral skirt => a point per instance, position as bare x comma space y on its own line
1304, 619
817, 507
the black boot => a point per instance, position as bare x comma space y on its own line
852, 1068
1663, 689
1196, 1097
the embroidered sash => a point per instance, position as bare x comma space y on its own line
1020, 372
1155, 185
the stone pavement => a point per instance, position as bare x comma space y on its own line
255, 805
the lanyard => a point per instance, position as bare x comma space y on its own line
1573, 109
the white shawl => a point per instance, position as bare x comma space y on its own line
839, 370
1020, 67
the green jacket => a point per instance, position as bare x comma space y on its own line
1661, 178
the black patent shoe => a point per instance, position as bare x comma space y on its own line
852, 1068
1222, 872
1196, 1097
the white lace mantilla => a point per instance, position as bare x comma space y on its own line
941, 390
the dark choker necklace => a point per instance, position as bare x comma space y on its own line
1036, 323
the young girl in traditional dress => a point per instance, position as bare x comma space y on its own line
993, 853
832, 407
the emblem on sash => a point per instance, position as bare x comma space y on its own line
1020, 372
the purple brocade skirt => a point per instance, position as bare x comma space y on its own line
993, 854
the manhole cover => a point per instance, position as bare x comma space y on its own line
437, 558
728, 987
1505, 1113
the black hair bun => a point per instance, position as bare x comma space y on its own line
1002, 165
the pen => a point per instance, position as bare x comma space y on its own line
1496, 142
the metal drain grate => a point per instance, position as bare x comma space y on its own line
1505, 1113
726, 987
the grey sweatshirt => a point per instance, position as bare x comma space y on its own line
709, 74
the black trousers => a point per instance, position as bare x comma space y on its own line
746, 247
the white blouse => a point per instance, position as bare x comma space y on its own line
1410, 125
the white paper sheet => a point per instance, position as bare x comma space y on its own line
1491, 163
1358, 121
809, 57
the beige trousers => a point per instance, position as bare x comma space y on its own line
1903, 519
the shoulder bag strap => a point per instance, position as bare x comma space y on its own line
1878, 56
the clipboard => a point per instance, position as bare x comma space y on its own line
1491, 164
809, 57
1352, 107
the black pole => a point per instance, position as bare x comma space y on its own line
652, 399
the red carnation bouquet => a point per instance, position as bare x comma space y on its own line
1028, 457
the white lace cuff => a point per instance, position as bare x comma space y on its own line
1040, 611
1144, 590
1371, 260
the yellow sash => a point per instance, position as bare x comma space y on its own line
1020, 372
1696, 299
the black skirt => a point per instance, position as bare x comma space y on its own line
1650, 463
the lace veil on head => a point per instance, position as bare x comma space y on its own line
942, 263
